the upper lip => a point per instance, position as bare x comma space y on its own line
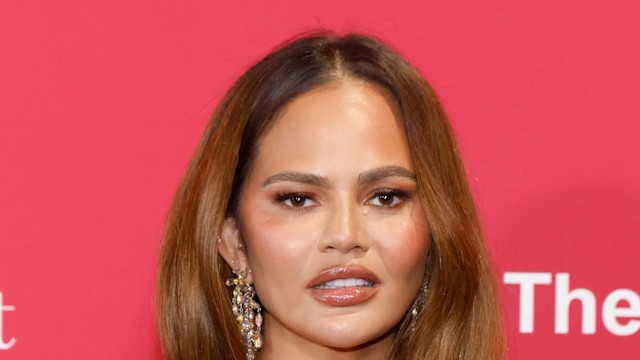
343, 272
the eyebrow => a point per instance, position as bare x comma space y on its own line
377, 174
294, 176
366, 177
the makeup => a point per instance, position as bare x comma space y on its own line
344, 285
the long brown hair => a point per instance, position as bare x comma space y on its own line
461, 318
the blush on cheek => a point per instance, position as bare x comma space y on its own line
281, 233
406, 246
276, 250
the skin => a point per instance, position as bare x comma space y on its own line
332, 185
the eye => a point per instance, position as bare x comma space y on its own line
388, 198
295, 200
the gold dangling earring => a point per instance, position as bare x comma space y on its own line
247, 312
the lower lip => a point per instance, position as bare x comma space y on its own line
348, 296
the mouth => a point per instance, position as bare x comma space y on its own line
344, 285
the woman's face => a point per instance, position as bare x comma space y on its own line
335, 233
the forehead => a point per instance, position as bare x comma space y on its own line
350, 121
335, 99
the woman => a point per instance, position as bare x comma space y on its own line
327, 197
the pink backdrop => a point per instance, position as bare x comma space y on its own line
102, 102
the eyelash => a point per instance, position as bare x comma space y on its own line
285, 198
399, 195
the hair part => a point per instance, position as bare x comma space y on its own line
461, 317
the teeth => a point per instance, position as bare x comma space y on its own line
343, 283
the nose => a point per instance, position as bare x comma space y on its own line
344, 229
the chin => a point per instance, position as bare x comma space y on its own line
353, 337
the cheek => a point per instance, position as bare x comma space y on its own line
404, 244
278, 250
278, 255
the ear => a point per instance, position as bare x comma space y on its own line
232, 249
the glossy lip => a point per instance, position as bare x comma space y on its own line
347, 296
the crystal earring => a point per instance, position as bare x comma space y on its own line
418, 304
247, 312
